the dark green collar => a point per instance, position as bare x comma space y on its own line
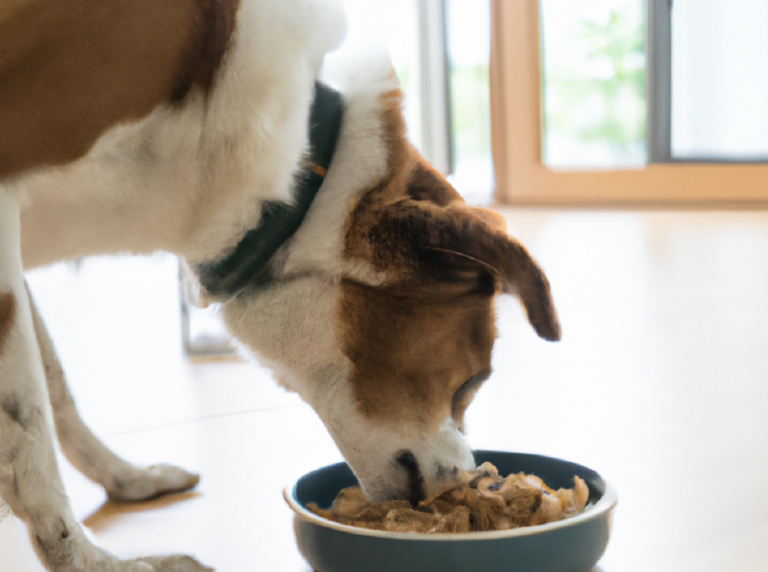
223, 279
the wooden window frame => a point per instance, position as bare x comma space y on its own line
516, 118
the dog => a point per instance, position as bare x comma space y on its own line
212, 129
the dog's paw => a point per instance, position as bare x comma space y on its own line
75, 553
144, 483
175, 563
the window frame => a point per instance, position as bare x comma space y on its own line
516, 119
436, 127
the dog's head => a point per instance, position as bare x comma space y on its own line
381, 310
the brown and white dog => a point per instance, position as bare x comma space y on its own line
183, 125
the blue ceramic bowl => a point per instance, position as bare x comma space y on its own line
571, 545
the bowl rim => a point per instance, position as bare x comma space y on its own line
601, 508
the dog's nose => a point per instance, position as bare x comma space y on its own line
416, 490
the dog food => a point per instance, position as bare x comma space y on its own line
485, 501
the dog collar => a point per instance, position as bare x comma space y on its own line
224, 279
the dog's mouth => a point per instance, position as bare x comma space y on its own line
416, 491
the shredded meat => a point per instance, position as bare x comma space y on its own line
482, 501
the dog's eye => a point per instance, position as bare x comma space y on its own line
463, 396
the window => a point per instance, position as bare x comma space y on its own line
556, 150
468, 46
593, 83
716, 53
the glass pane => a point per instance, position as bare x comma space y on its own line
720, 79
593, 83
469, 42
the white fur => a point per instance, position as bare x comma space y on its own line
373, 448
359, 162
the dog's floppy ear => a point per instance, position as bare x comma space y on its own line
470, 233
423, 234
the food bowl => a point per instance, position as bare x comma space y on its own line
571, 545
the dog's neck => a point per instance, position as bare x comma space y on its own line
224, 277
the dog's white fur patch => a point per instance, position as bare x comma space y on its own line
359, 162
372, 449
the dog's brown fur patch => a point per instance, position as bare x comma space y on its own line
376, 229
416, 338
412, 353
215, 25
70, 70
7, 317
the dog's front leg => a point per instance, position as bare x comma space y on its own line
121, 480
29, 475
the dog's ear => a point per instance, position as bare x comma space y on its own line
470, 235
492, 218
424, 231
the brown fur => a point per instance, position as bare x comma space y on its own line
71, 70
410, 352
430, 326
7, 317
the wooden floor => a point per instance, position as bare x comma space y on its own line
660, 383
